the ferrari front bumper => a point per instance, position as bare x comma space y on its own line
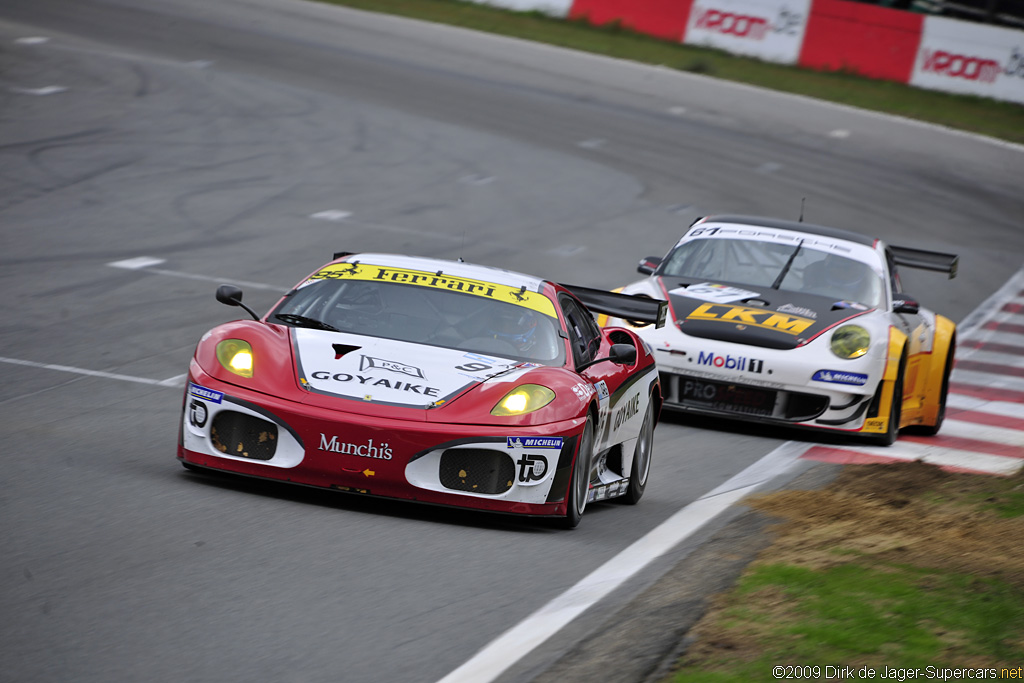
519, 470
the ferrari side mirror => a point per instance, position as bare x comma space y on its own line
232, 296
620, 354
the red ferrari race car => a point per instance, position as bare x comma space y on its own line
432, 381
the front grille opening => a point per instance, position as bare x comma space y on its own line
803, 407
478, 470
243, 435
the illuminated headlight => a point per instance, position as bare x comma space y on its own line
523, 399
850, 341
236, 356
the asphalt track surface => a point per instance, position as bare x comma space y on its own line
190, 143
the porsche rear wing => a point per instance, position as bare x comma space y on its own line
640, 309
926, 260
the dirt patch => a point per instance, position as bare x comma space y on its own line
907, 514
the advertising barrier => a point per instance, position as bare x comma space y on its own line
772, 30
972, 59
834, 35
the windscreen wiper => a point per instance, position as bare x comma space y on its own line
785, 268
304, 321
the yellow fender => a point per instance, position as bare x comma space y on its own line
942, 347
880, 423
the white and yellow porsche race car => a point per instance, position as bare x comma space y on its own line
791, 323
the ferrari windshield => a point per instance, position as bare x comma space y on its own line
792, 267
424, 315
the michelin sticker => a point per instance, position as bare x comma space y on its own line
837, 377
205, 394
519, 442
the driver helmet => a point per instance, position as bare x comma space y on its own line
843, 271
515, 325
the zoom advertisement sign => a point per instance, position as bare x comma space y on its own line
772, 30
970, 59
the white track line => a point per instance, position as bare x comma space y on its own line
971, 326
520, 640
146, 263
981, 405
988, 379
943, 457
997, 358
981, 432
176, 381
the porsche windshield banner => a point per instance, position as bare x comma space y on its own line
489, 290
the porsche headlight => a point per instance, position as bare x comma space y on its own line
236, 356
525, 398
850, 341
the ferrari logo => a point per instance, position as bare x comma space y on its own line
436, 280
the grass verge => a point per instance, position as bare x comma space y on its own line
892, 568
1003, 120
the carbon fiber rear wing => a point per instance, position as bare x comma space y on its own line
639, 309
925, 260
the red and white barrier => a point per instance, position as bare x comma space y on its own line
877, 42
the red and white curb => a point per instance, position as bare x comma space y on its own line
984, 427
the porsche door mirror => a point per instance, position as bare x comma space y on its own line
232, 296
905, 304
648, 265
620, 354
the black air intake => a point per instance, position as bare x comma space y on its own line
478, 470
243, 435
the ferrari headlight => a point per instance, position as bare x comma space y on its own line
236, 356
525, 398
850, 341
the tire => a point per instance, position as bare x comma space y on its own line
641, 459
895, 410
579, 484
933, 429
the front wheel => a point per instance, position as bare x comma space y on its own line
579, 485
641, 459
